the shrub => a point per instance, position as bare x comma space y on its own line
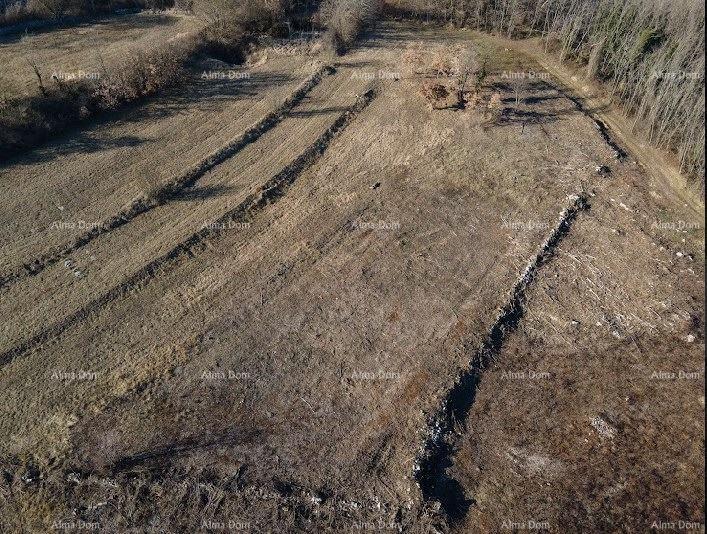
18, 11
140, 76
225, 41
447, 71
650, 54
53, 8
346, 19
15, 13
235, 25
59, 104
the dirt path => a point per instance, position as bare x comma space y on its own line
667, 178
268, 346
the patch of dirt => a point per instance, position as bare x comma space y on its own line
604, 381
657, 164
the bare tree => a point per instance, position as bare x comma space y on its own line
519, 84
650, 54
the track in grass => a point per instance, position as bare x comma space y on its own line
168, 191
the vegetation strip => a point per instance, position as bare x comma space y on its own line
438, 451
268, 193
168, 191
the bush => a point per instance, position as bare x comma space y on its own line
346, 19
54, 9
140, 76
650, 54
225, 41
15, 13
235, 25
18, 11
447, 71
28, 122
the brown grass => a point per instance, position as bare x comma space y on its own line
15, 12
447, 72
59, 104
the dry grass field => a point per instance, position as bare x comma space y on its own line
85, 50
294, 296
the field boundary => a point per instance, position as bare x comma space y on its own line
655, 161
43, 24
439, 447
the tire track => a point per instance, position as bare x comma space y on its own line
439, 447
169, 190
200, 241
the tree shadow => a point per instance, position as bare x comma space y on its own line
118, 22
515, 116
84, 143
169, 453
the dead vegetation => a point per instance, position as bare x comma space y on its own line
58, 104
159, 447
20, 11
346, 19
61, 103
452, 76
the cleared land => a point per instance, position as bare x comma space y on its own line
288, 274
606, 373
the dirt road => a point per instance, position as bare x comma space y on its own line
656, 164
